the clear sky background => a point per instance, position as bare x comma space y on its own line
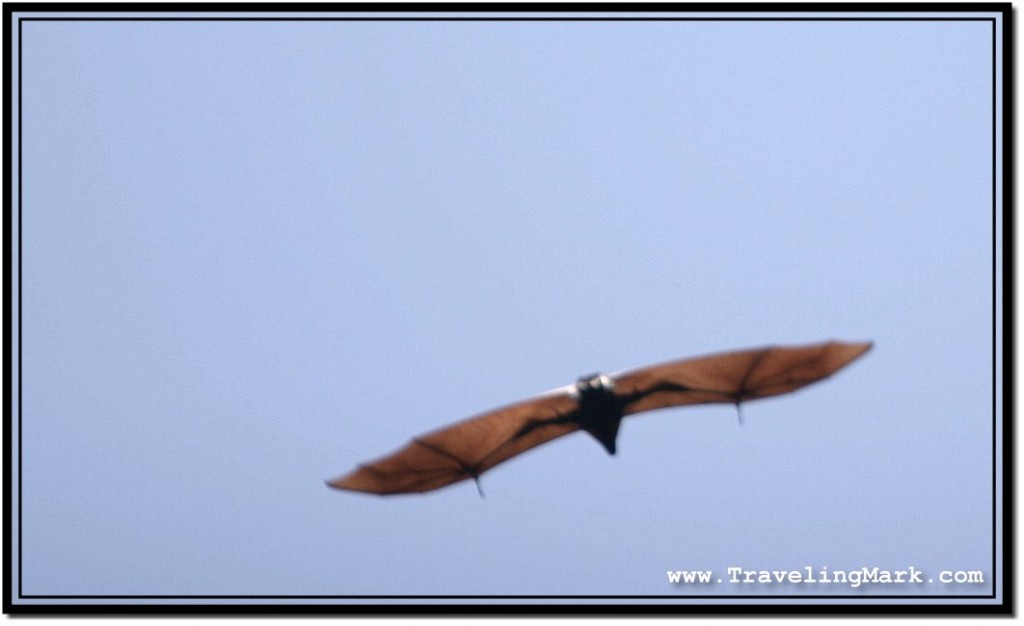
257, 254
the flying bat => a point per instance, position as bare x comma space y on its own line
596, 405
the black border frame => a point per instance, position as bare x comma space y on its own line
376, 604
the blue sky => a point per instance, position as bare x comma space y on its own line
256, 254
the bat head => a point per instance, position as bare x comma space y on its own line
593, 386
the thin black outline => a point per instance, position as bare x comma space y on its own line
529, 7
506, 19
1005, 20
514, 7
8, 205
994, 242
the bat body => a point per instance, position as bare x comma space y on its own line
595, 404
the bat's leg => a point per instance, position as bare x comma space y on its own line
739, 411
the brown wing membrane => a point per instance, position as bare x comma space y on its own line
469, 448
733, 377
465, 449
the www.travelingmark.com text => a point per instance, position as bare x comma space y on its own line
822, 575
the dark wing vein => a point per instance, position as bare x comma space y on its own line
448, 455
527, 436
743, 389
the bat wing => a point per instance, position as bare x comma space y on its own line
466, 449
732, 377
